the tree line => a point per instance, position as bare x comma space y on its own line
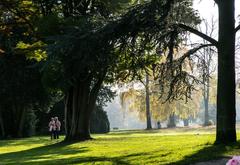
76, 46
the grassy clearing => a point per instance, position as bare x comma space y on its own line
167, 146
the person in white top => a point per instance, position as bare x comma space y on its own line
52, 127
58, 127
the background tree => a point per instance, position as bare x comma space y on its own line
133, 100
98, 63
111, 48
22, 91
226, 99
99, 122
206, 66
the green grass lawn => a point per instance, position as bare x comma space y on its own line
167, 146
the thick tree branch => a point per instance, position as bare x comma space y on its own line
198, 33
192, 51
237, 28
216, 1
95, 90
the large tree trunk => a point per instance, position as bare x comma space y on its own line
206, 114
76, 113
11, 120
206, 85
207, 54
13, 132
68, 111
80, 101
186, 122
206, 101
2, 131
172, 121
148, 113
226, 112
21, 122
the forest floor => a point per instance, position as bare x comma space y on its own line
165, 146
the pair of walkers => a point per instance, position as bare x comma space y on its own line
54, 127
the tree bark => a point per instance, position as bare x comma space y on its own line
80, 101
21, 122
2, 134
206, 101
68, 111
226, 111
159, 125
186, 122
76, 113
13, 131
148, 113
172, 122
206, 82
206, 113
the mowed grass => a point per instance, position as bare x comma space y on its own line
166, 146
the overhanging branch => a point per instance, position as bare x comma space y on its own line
216, 1
198, 33
237, 28
179, 82
193, 50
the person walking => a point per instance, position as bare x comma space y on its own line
52, 128
58, 127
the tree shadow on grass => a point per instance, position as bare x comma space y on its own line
123, 160
62, 153
208, 153
40, 153
23, 141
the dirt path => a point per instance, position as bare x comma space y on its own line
214, 162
